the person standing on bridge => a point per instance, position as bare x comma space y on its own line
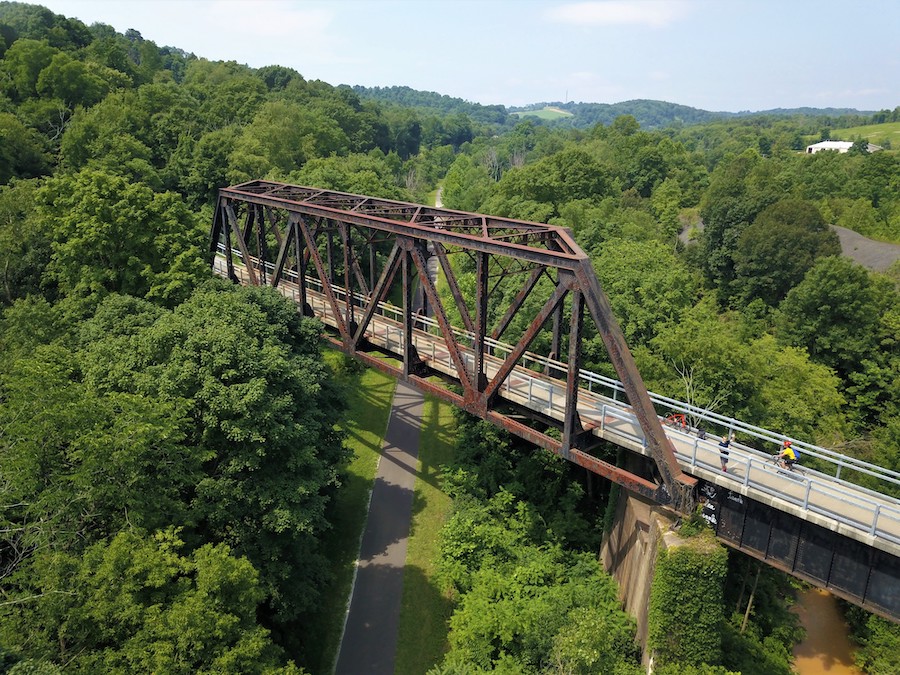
723, 450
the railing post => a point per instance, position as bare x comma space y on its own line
874, 528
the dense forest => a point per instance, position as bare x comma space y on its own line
170, 444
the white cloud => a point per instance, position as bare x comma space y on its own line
654, 13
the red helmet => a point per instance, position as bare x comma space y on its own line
787, 444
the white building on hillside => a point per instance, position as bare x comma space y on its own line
840, 146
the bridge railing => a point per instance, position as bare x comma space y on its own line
606, 387
850, 504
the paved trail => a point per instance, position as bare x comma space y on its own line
369, 642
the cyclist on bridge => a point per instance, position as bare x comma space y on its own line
787, 455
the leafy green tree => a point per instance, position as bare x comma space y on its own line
647, 285
156, 115
524, 605
543, 606
82, 463
227, 92
112, 52
277, 77
21, 151
560, 178
879, 641
71, 81
282, 137
702, 358
125, 156
860, 216
647, 172
137, 604
794, 395
112, 236
706, 360
199, 168
27, 324
774, 252
405, 131
666, 201
22, 65
466, 185
491, 461
739, 189
342, 106
360, 174
39, 23
833, 313
24, 247
243, 367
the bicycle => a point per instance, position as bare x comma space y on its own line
784, 465
677, 420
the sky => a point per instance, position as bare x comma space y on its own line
719, 55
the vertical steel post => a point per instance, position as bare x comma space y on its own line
329, 246
260, 244
371, 245
229, 258
300, 262
408, 349
344, 230
481, 298
572, 425
556, 340
242, 245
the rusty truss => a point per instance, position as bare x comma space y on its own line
371, 250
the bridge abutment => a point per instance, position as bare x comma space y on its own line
629, 552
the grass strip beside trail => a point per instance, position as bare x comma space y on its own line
368, 394
425, 610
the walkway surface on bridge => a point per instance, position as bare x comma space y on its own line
369, 642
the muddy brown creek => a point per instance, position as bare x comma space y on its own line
827, 647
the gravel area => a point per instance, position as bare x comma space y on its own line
875, 255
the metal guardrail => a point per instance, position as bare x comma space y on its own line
861, 509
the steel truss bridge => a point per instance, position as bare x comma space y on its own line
361, 265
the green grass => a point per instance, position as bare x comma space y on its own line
547, 113
425, 610
368, 396
874, 133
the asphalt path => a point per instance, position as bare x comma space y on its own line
369, 643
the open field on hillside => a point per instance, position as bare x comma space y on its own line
547, 113
874, 133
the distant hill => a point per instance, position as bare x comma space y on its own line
432, 101
650, 114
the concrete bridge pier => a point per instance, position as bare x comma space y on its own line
629, 551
